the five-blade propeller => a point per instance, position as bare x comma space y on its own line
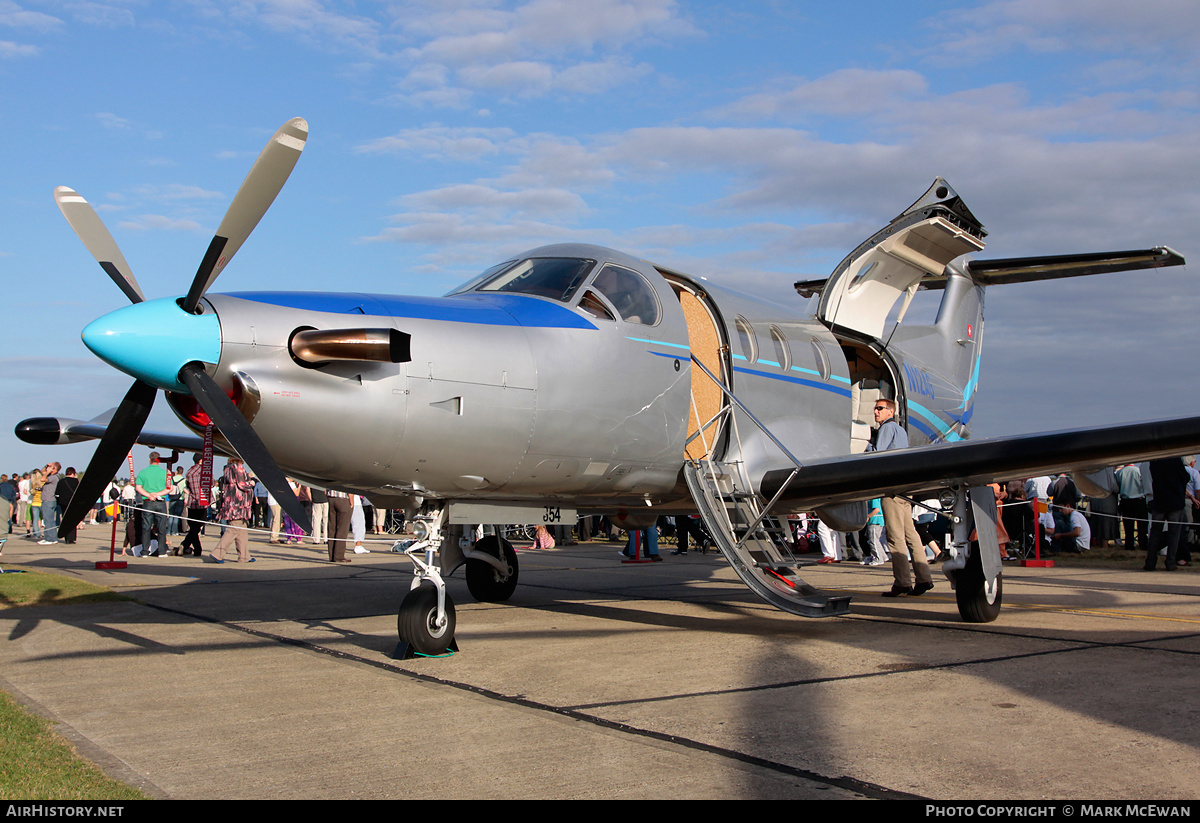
258, 191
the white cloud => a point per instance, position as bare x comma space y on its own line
845, 92
312, 22
442, 142
440, 229
149, 222
548, 160
535, 48
544, 28
520, 76
107, 15
10, 50
494, 203
176, 191
112, 121
15, 16
1060, 25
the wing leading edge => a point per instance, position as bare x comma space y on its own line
53, 431
978, 462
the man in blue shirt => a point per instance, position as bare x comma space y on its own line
897, 514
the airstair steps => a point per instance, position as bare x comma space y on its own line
761, 559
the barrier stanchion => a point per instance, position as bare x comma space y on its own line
638, 557
111, 562
1040, 508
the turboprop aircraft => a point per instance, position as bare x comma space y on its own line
487, 400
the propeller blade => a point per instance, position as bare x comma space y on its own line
266, 178
119, 436
241, 436
91, 230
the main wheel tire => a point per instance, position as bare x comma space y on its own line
486, 583
417, 622
977, 602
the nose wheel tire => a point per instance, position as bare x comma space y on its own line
486, 583
977, 601
417, 622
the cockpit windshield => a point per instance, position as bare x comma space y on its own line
555, 277
487, 275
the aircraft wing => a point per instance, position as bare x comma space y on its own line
978, 462
51, 431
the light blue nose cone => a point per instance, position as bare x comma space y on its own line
153, 340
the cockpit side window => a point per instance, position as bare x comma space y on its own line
629, 292
555, 277
594, 306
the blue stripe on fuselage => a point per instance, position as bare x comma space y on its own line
487, 310
926, 430
799, 380
940, 430
784, 377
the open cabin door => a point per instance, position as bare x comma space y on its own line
862, 290
706, 421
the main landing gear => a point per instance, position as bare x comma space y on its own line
975, 571
492, 569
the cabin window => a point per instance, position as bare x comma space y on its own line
821, 357
555, 277
746, 339
783, 352
629, 292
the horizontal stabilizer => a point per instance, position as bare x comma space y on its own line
1028, 269
978, 462
1051, 267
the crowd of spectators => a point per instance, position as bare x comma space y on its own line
1155, 512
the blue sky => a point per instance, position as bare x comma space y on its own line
749, 143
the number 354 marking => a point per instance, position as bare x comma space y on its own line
552, 514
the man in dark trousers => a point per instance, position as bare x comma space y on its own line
1169, 481
63, 494
897, 514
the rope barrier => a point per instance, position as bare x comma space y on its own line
1092, 513
249, 529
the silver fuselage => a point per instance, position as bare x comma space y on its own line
517, 397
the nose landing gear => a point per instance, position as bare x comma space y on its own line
426, 619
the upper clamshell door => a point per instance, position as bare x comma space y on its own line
930, 233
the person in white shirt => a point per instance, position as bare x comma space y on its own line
358, 524
1078, 539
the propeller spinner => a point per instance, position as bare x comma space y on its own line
164, 343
